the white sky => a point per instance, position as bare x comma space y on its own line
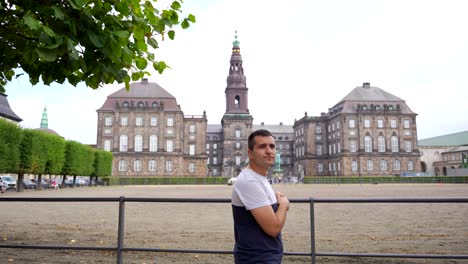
299, 56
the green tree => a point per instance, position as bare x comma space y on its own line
94, 41
79, 160
10, 139
102, 163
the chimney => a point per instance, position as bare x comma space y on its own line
144, 80
281, 123
263, 124
366, 85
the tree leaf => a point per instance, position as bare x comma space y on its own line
122, 34
185, 24
141, 63
58, 12
191, 18
175, 5
46, 54
97, 40
171, 34
31, 22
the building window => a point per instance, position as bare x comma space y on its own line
329, 167
366, 123
215, 172
107, 145
238, 160
138, 143
238, 145
351, 123
406, 123
208, 161
410, 165
123, 146
124, 121
408, 146
354, 165
394, 141
238, 133
122, 165
191, 167
352, 146
338, 125
192, 128
108, 121
318, 129
107, 131
319, 149
396, 165
154, 121
215, 160
154, 104
152, 165
170, 121
207, 146
393, 123
153, 143
192, 149
169, 165
381, 143
215, 146
137, 165
339, 147
367, 144
318, 137
407, 132
370, 165
383, 165
169, 146
333, 127
139, 121
380, 123
320, 167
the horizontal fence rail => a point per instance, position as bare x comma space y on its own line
120, 248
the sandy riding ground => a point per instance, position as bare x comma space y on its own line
372, 228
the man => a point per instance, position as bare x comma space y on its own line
259, 214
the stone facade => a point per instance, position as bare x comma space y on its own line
369, 132
149, 135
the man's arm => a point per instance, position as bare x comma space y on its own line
269, 221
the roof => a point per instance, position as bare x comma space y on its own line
275, 129
48, 131
143, 91
214, 128
5, 109
458, 149
367, 94
455, 139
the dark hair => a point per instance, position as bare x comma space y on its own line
260, 132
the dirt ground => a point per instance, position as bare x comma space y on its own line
371, 228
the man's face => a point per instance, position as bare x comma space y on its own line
264, 152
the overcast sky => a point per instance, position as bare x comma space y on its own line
298, 56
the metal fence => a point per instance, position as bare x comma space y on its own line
120, 248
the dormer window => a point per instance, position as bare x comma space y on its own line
141, 104
154, 104
125, 104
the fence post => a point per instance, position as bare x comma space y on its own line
312, 230
120, 231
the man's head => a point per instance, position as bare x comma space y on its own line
262, 151
260, 132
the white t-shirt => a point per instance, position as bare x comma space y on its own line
252, 190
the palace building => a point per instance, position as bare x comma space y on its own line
369, 132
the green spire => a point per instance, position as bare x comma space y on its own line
235, 43
44, 120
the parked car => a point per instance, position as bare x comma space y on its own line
28, 184
44, 183
9, 181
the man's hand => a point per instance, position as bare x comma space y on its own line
282, 200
